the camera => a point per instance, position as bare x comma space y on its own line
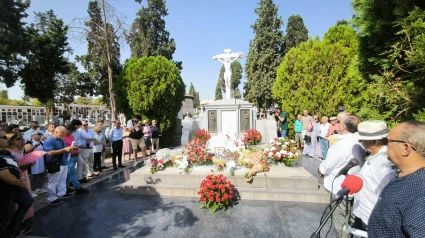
335, 132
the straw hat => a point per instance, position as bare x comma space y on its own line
371, 130
332, 119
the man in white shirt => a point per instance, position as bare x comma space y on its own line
323, 138
136, 137
346, 148
85, 143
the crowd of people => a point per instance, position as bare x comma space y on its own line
313, 135
391, 202
73, 154
391, 165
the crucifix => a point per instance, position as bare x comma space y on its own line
227, 58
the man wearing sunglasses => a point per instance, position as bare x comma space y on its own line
34, 127
86, 147
400, 210
339, 155
4, 125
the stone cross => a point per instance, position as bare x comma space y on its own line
227, 58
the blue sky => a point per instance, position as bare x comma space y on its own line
202, 28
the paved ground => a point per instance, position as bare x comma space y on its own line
105, 212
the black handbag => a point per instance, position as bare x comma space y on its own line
307, 138
53, 167
148, 141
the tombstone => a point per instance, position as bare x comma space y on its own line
212, 121
244, 120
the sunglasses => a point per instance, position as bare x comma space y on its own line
38, 134
3, 137
316, 118
83, 125
387, 141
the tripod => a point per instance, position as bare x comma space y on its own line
347, 229
316, 234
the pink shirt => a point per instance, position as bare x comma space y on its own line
146, 131
332, 128
68, 141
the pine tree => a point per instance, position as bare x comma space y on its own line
265, 54
321, 75
218, 93
155, 90
191, 90
48, 45
296, 32
148, 36
391, 53
196, 101
12, 39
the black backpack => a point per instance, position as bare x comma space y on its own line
135, 134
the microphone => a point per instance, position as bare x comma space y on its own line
352, 184
353, 162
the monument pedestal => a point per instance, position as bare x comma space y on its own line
229, 116
280, 184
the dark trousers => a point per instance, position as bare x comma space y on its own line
24, 200
117, 151
97, 165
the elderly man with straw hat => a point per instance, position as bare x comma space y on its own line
376, 173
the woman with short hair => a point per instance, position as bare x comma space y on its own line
97, 149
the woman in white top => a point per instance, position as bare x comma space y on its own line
376, 173
38, 175
97, 150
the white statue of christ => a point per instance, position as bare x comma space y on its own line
227, 58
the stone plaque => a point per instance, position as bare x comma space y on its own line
229, 122
244, 120
212, 121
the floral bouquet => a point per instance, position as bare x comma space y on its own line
195, 151
220, 163
156, 165
202, 135
252, 137
215, 193
282, 151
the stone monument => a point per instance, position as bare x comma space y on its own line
227, 58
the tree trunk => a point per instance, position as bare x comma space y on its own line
109, 63
47, 113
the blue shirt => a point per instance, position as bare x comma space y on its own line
400, 210
115, 134
84, 136
298, 126
51, 144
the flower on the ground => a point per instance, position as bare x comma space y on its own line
216, 193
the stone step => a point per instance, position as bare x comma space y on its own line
278, 178
311, 196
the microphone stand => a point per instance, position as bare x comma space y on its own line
316, 234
